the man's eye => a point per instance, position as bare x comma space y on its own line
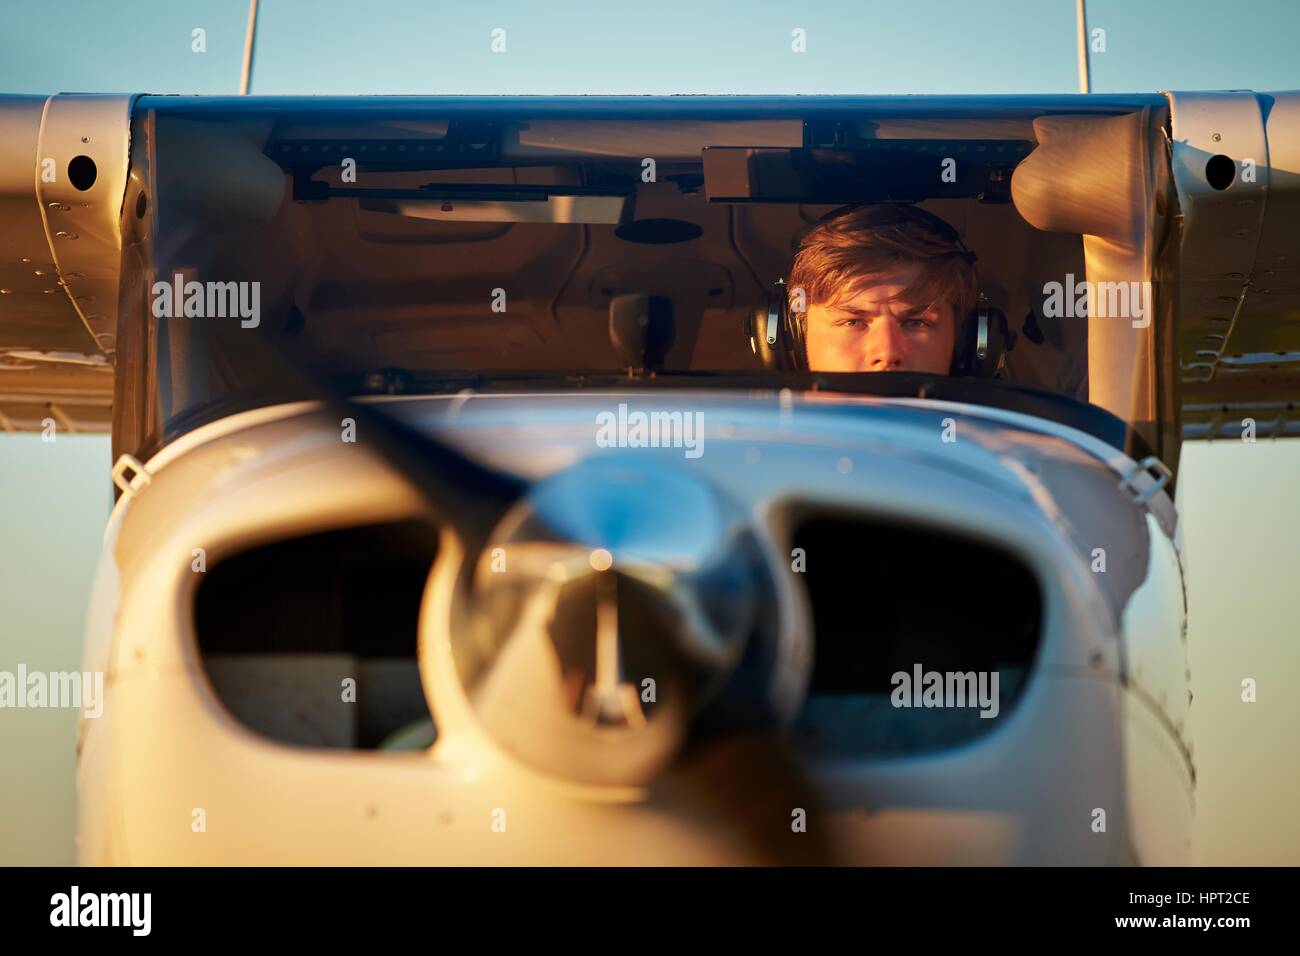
915, 322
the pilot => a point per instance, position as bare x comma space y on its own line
884, 287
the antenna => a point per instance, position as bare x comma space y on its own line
246, 78
1085, 73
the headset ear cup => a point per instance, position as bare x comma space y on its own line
981, 352
764, 327
773, 331
794, 346
994, 361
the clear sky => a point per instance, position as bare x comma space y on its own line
656, 46
54, 497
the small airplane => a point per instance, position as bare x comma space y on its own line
483, 497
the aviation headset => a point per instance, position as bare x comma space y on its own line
983, 338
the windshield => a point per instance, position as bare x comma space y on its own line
405, 251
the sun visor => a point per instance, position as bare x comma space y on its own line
896, 170
1099, 177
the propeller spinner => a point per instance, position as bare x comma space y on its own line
617, 606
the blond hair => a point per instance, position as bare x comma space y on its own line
856, 246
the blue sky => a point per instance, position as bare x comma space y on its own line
658, 46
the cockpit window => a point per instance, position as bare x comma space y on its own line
400, 250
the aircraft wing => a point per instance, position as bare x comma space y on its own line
1236, 165
63, 166
1234, 158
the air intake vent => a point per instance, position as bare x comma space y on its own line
891, 600
283, 628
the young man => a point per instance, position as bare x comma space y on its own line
885, 289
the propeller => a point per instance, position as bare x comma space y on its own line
620, 570
460, 492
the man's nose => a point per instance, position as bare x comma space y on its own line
885, 346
